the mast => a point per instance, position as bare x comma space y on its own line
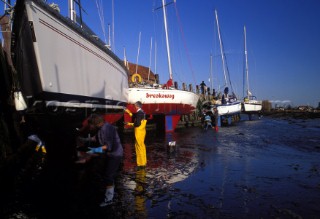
113, 43
72, 12
150, 60
155, 57
7, 4
221, 50
125, 57
246, 59
167, 38
109, 37
211, 78
138, 53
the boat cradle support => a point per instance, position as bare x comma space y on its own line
171, 122
228, 119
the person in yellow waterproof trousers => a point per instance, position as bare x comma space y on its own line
139, 125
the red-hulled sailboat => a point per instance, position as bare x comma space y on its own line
166, 102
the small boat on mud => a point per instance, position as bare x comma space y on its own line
227, 105
61, 64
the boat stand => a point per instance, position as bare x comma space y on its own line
171, 122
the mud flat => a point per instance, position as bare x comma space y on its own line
267, 168
294, 114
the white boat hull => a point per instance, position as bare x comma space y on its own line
229, 108
252, 106
164, 101
63, 65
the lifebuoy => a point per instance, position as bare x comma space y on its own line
134, 76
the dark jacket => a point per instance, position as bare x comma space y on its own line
140, 115
108, 135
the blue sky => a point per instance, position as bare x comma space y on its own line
283, 40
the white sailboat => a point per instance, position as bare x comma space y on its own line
228, 105
61, 62
250, 103
165, 101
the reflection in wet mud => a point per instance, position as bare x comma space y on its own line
255, 169
140, 197
167, 164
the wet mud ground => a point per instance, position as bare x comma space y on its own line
268, 168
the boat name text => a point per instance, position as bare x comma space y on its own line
159, 95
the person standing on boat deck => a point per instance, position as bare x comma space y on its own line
139, 125
107, 138
225, 96
202, 87
168, 84
213, 94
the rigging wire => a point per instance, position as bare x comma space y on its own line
223, 55
101, 17
184, 41
177, 76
